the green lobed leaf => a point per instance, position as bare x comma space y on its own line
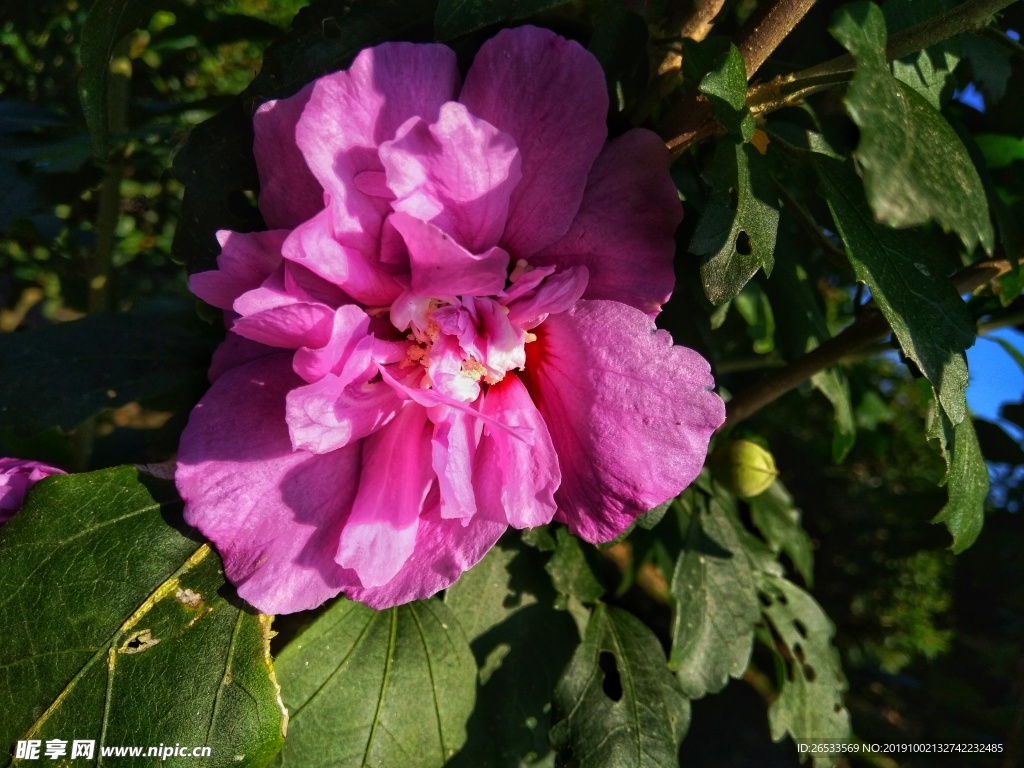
458, 17
522, 645
111, 359
368, 687
929, 72
736, 231
618, 705
726, 88
906, 278
105, 26
966, 479
121, 629
714, 603
912, 159
810, 703
777, 518
570, 571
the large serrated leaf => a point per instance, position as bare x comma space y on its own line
367, 687
714, 604
929, 72
62, 374
618, 705
522, 645
916, 169
120, 629
906, 278
966, 479
736, 231
810, 703
457, 17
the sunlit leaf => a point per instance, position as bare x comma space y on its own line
367, 687
906, 278
714, 604
121, 629
911, 157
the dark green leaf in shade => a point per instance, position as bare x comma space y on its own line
810, 703
367, 687
1013, 412
570, 571
801, 327
726, 89
991, 64
62, 374
618, 705
966, 479
1000, 151
20, 195
778, 520
929, 72
736, 231
755, 308
522, 644
907, 282
714, 603
457, 17
619, 43
106, 25
916, 169
119, 628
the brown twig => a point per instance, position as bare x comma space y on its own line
867, 329
767, 28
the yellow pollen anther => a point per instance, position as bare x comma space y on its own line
528, 337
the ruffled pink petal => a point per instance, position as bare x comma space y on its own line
234, 351
528, 467
452, 450
16, 477
492, 338
556, 294
457, 173
289, 193
274, 514
380, 533
625, 231
313, 245
442, 267
445, 549
445, 370
289, 326
348, 353
245, 261
630, 415
549, 95
333, 413
349, 114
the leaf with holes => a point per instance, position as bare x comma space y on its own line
966, 479
714, 603
911, 157
736, 231
522, 645
121, 629
570, 571
618, 705
810, 703
906, 275
368, 687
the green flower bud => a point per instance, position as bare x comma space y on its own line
743, 468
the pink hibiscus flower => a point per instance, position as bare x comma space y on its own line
16, 477
447, 330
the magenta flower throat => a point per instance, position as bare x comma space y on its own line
447, 330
